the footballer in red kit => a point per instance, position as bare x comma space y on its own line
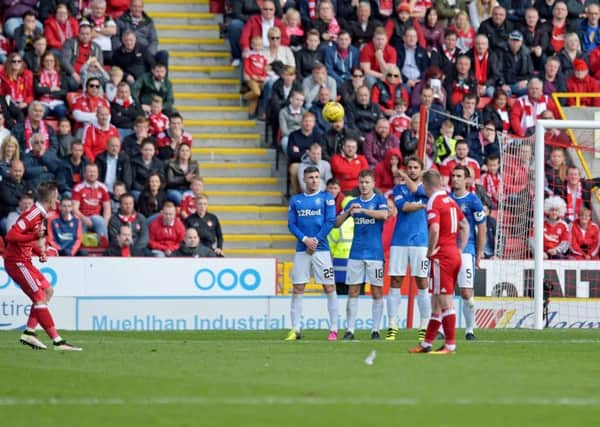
447, 225
25, 238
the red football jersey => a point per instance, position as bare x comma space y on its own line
158, 123
441, 209
450, 163
22, 236
90, 197
556, 236
585, 242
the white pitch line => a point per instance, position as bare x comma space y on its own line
289, 401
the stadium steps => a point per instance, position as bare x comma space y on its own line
245, 190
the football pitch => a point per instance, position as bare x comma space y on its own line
506, 378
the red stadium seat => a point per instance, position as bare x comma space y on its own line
53, 123
483, 101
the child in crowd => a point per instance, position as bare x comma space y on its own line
188, 201
118, 190
93, 68
110, 88
445, 143
333, 188
399, 121
293, 26
255, 74
64, 137
157, 120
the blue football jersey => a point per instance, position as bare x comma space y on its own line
411, 227
311, 215
367, 243
472, 208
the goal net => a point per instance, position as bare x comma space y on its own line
540, 275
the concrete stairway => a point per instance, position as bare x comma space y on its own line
245, 190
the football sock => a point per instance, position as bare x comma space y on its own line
32, 322
432, 327
469, 313
377, 313
449, 325
351, 312
424, 303
332, 307
296, 311
393, 305
45, 318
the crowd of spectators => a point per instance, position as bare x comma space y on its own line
85, 100
483, 68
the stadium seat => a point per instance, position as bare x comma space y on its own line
483, 102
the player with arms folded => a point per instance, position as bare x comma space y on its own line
446, 224
409, 246
369, 211
311, 216
472, 209
27, 236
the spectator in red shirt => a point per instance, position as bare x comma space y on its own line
60, 27
16, 81
166, 232
585, 237
387, 170
582, 82
96, 136
376, 56
167, 142
347, 165
91, 203
556, 231
255, 74
86, 106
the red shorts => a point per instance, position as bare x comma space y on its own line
29, 278
443, 274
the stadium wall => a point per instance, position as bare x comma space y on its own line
171, 294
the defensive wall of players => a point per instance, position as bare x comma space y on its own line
214, 294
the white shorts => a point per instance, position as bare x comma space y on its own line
364, 271
466, 275
403, 256
319, 264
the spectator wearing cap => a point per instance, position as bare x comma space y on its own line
13, 11
154, 83
60, 27
517, 65
582, 82
497, 28
137, 20
76, 52
397, 24
313, 83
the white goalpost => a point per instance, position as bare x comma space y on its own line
539, 158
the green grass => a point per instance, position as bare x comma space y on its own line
507, 378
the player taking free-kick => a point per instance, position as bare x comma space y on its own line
311, 216
27, 236
446, 224
369, 211
472, 209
